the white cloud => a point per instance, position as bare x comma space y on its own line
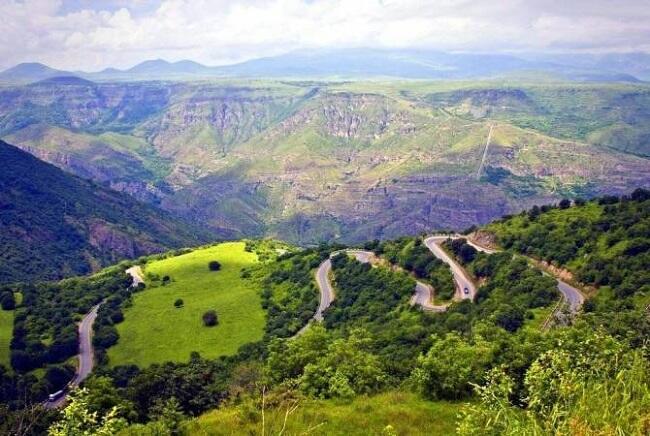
75, 34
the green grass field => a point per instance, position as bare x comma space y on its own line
405, 412
6, 331
155, 331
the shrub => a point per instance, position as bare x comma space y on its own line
214, 265
178, 303
7, 301
210, 318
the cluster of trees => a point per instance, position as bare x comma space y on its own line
110, 314
45, 326
606, 242
366, 295
411, 254
289, 294
511, 287
7, 298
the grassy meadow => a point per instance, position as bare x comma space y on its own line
154, 330
6, 331
407, 413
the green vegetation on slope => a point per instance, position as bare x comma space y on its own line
154, 330
308, 162
6, 332
605, 243
412, 255
404, 412
53, 224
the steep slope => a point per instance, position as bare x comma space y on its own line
309, 161
54, 224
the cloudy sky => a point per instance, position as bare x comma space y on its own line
93, 34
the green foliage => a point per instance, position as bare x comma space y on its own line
605, 242
45, 326
210, 318
345, 369
451, 366
289, 293
366, 295
412, 255
62, 214
178, 303
78, 420
594, 386
324, 366
167, 414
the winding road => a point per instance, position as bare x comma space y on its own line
463, 282
423, 295
571, 295
86, 354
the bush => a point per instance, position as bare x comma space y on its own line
178, 303
210, 318
214, 265
7, 301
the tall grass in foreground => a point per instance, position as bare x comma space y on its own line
612, 397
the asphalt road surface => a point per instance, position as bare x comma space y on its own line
572, 296
460, 276
86, 354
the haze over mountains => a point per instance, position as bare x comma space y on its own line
369, 63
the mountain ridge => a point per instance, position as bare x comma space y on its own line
55, 224
366, 63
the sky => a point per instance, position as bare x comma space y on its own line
93, 34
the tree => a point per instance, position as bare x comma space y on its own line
451, 366
78, 420
178, 303
7, 301
168, 413
210, 318
214, 265
565, 203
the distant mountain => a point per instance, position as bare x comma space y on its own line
631, 64
416, 64
374, 63
156, 69
65, 80
53, 224
30, 72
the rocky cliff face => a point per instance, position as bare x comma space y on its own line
307, 162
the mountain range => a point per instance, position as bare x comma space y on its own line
371, 63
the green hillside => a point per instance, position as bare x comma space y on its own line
313, 161
603, 243
488, 366
53, 224
404, 412
155, 331
6, 332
